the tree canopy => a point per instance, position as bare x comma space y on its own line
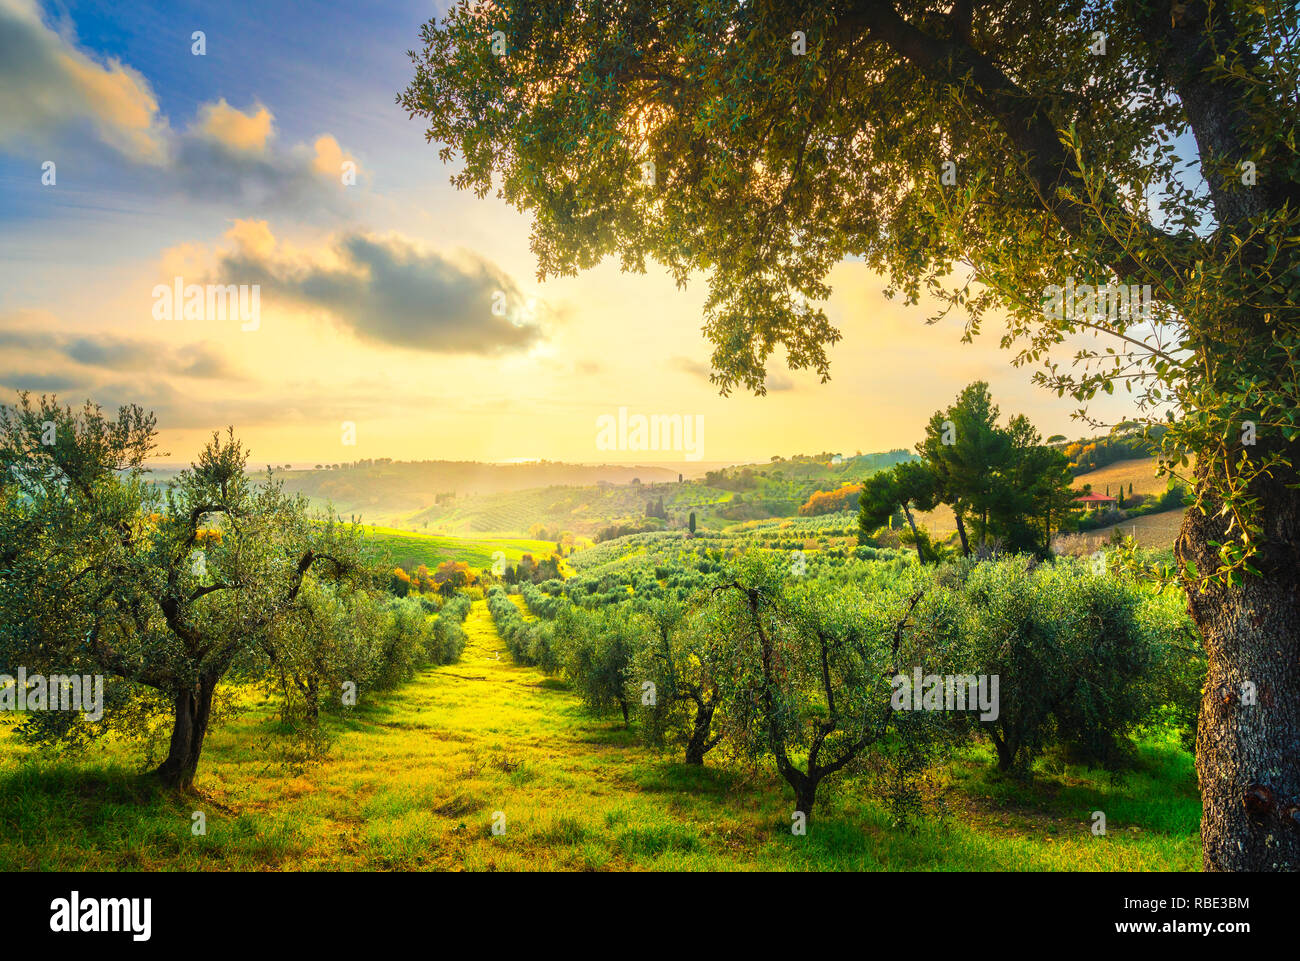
701, 137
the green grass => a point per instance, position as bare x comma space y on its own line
414, 782
432, 549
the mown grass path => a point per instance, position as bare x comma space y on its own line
417, 780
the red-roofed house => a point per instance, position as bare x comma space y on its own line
1094, 500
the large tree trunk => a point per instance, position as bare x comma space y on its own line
1248, 754
193, 710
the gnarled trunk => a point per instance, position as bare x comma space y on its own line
1248, 734
193, 709
805, 796
700, 743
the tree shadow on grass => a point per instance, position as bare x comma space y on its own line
87, 807
690, 779
1157, 792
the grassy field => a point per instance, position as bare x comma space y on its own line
414, 782
581, 510
410, 549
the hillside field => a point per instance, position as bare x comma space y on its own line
1153, 531
409, 549
1156, 531
1140, 472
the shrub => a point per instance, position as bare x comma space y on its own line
449, 637
528, 642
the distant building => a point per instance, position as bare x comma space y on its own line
1094, 500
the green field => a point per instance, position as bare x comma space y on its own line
416, 780
409, 549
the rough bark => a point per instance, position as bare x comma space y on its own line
805, 797
700, 743
1248, 754
193, 709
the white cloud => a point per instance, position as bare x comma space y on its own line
47, 86
52, 94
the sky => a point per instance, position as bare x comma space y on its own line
395, 316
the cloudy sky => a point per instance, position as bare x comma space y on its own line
394, 302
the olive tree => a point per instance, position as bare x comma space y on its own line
596, 648
165, 588
679, 661
807, 677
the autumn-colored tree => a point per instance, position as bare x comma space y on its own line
454, 574
400, 582
843, 498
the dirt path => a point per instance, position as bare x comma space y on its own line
477, 745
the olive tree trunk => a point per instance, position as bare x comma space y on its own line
700, 742
193, 709
1248, 733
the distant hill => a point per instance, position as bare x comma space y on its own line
723, 497
546, 498
386, 490
1128, 441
